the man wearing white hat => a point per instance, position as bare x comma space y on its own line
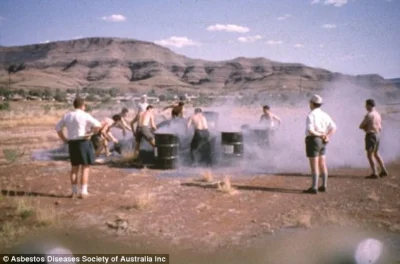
319, 128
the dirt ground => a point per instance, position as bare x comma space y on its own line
149, 209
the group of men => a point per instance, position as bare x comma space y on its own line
87, 137
319, 129
81, 127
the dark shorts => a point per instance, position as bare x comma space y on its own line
372, 142
315, 147
144, 132
81, 152
96, 140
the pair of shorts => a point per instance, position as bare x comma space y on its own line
372, 141
144, 132
315, 147
81, 152
96, 140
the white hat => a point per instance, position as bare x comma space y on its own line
144, 96
316, 99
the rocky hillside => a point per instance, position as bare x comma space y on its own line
127, 63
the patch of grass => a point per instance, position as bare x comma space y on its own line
143, 201
10, 231
226, 187
23, 216
12, 155
373, 196
207, 176
26, 208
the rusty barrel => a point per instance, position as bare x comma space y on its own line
166, 152
232, 144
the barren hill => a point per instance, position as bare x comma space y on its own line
127, 63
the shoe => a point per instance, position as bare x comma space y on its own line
84, 195
73, 196
383, 174
372, 176
322, 189
310, 190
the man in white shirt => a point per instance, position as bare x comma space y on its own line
143, 104
319, 128
80, 126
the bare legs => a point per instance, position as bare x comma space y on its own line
84, 179
372, 156
318, 167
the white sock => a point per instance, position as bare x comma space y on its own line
84, 188
74, 188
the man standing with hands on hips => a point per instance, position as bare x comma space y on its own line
319, 128
80, 127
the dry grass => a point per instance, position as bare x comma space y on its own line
23, 216
26, 207
226, 187
44, 120
143, 201
207, 176
126, 157
373, 196
304, 220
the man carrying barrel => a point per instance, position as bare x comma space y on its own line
145, 124
200, 141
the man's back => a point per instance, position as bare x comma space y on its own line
199, 122
319, 121
77, 123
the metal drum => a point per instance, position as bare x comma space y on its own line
166, 152
232, 144
212, 119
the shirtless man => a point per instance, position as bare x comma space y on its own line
372, 125
145, 122
101, 139
201, 134
123, 123
268, 118
177, 109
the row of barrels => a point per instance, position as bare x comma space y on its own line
166, 152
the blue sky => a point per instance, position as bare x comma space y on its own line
348, 36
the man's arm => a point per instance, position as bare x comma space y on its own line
109, 135
277, 119
153, 124
170, 106
125, 125
62, 136
59, 128
189, 124
134, 121
363, 124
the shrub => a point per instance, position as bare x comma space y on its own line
5, 106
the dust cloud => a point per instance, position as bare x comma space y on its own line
343, 101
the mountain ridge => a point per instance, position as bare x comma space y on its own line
130, 63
